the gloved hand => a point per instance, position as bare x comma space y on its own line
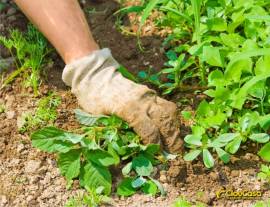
100, 89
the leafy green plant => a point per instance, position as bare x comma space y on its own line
262, 204
227, 42
103, 141
2, 108
264, 174
44, 115
182, 202
176, 73
88, 199
30, 51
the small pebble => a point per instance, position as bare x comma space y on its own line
10, 114
163, 178
3, 200
32, 166
20, 148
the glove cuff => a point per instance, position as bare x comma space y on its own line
88, 66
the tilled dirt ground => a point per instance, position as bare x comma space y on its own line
29, 177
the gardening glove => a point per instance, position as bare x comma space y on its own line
100, 89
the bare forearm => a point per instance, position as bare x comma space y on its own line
63, 23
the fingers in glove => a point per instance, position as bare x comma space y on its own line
147, 130
137, 117
164, 115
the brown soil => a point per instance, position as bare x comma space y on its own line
29, 177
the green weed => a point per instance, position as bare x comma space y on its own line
103, 141
182, 202
262, 204
88, 199
44, 115
264, 174
2, 108
30, 51
227, 42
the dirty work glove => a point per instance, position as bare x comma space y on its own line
100, 89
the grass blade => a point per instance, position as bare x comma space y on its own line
196, 6
146, 13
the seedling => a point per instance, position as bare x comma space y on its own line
88, 199
182, 202
177, 71
44, 115
262, 204
103, 141
2, 108
30, 52
264, 174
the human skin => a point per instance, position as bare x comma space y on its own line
64, 24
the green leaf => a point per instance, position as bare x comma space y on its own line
196, 8
87, 119
127, 74
90, 144
69, 164
203, 109
129, 9
264, 152
186, 114
265, 169
262, 176
208, 160
152, 148
216, 24
51, 139
262, 65
215, 120
227, 137
234, 145
232, 40
150, 188
197, 130
248, 54
2, 6
147, 12
240, 97
193, 154
142, 74
125, 187
126, 170
242, 3
212, 56
193, 139
142, 166
264, 121
260, 138
114, 154
138, 182
171, 55
100, 157
258, 90
160, 187
73, 138
216, 78
224, 156
95, 176
234, 71
249, 45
